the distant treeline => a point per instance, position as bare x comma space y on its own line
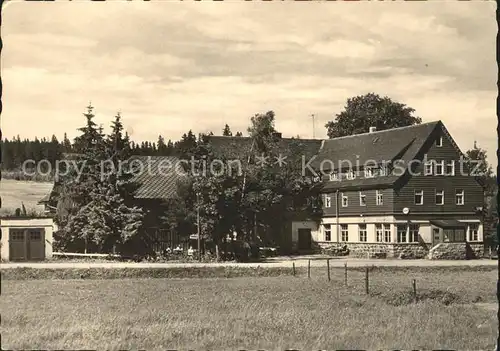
16, 151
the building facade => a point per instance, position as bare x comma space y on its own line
409, 194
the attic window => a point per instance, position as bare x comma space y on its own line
368, 173
351, 174
439, 141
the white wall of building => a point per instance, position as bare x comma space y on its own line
6, 224
425, 228
315, 234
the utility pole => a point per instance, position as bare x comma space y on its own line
255, 226
198, 225
314, 134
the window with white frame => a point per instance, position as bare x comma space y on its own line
428, 166
381, 171
351, 174
362, 232
439, 197
439, 141
439, 167
387, 233
368, 172
345, 200
419, 197
450, 168
401, 233
328, 232
473, 232
362, 199
328, 201
459, 197
379, 233
334, 176
379, 197
414, 233
344, 232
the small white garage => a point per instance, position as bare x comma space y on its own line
26, 238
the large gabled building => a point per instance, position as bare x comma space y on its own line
403, 191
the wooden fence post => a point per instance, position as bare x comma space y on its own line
367, 281
345, 273
328, 267
309, 269
415, 290
293, 266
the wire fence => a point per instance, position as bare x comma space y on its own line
411, 284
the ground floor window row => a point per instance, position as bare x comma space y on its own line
405, 233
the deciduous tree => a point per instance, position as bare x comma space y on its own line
370, 110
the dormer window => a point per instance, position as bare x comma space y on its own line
382, 171
439, 141
368, 173
351, 174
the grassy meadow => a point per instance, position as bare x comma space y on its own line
14, 193
257, 312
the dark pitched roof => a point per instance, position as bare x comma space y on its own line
403, 144
382, 146
239, 147
157, 176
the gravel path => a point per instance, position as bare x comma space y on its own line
275, 262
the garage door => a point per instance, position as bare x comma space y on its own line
26, 244
36, 244
17, 245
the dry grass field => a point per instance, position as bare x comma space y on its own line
273, 313
14, 193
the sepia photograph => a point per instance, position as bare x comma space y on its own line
248, 175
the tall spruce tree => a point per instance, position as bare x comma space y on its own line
66, 144
227, 131
102, 215
162, 147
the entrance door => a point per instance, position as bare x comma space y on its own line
436, 236
304, 239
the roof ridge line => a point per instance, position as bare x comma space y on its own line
247, 137
385, 130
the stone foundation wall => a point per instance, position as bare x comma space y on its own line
365, 250
382, 250
443, 251
448, 251
409, 251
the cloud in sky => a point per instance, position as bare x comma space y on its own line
171, 67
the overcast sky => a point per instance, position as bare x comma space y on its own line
174, 66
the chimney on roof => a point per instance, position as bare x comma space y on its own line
372, 129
